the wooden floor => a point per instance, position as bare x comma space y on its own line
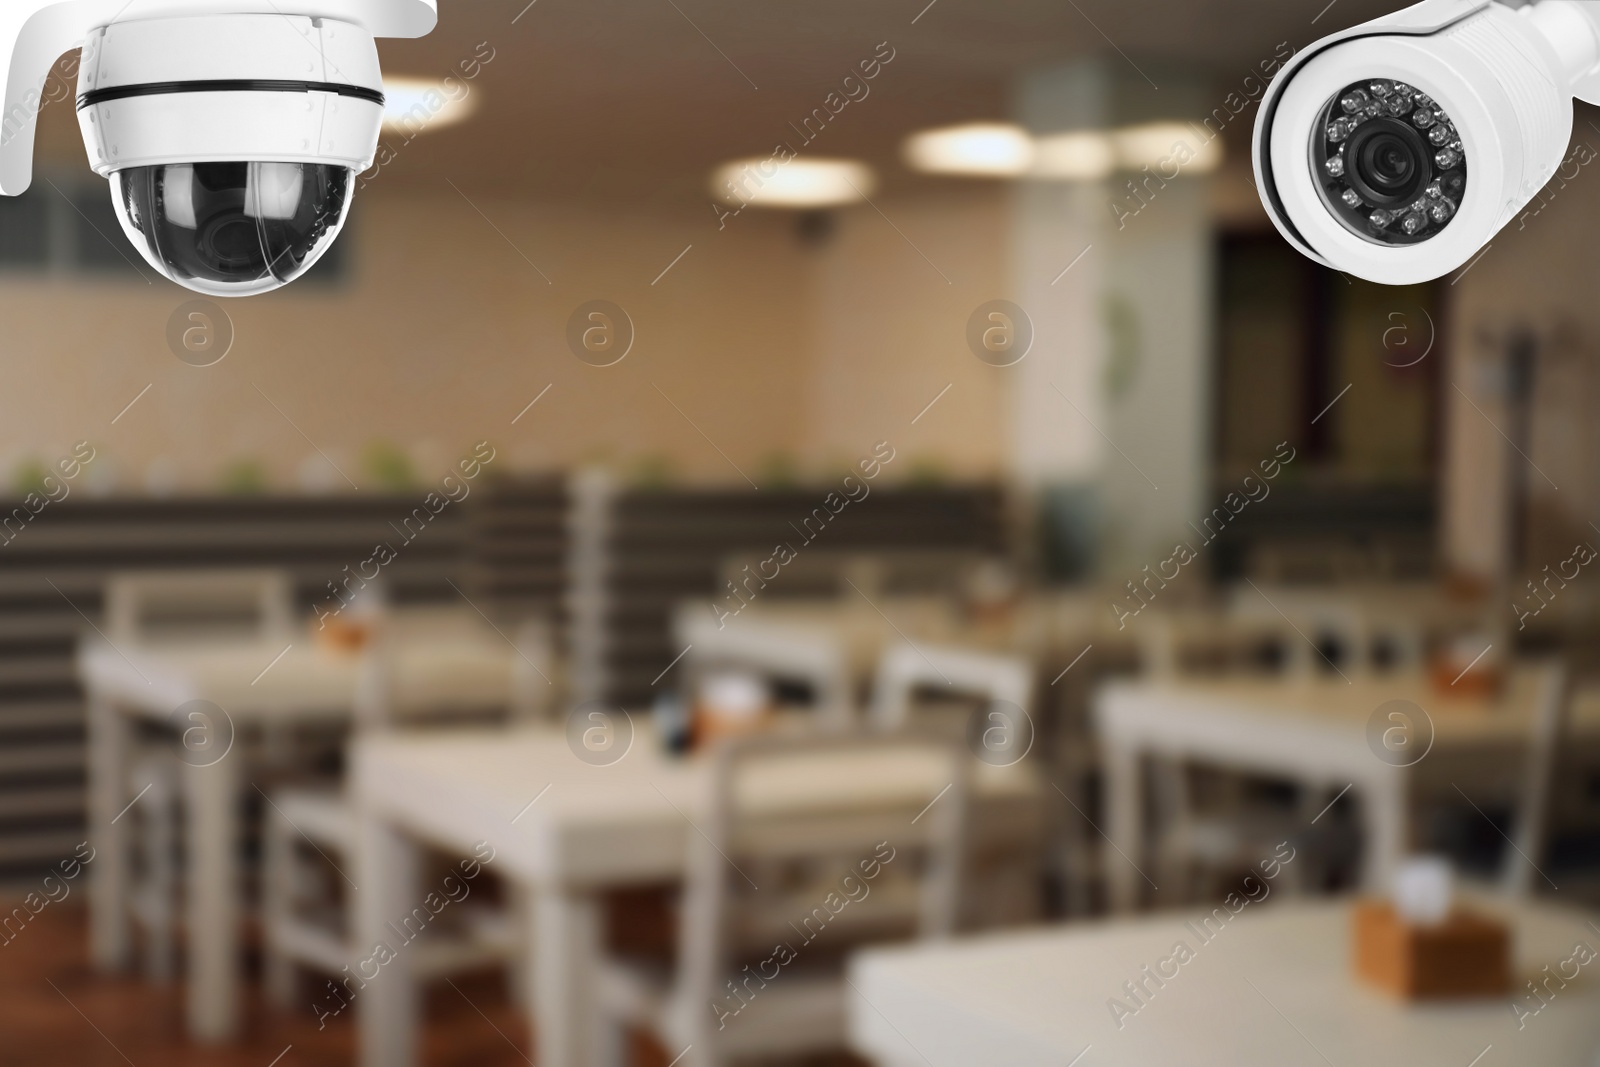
56, 1012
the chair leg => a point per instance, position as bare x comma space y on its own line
611, 1047
158, 831
277, 903
1173, 806
519, 976
1302, 876
700, 1054
1073, 856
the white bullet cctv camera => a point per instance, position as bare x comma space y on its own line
231, 130
1395, 150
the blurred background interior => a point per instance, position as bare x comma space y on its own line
964, 516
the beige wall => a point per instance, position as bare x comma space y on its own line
890, 333
443, 332
440, 337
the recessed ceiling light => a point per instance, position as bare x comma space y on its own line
1080, 156
798, 183
415, 105
1167, 145
991, 149
1002, 150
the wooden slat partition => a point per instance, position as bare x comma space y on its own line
55, 568
662, 546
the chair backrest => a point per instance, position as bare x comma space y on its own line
1366, 638
819, 843
535, 672
1173, 644
150, 606
812, 657
906, 668
1551, 715
384, 700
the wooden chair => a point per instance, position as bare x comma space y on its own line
1527, 861
1189, 643
152, 607
146, 608
1325, 630
1004, 875
848, 874
811, 658
1212, 833
906, 670
306, 926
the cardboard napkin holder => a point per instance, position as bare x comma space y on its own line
1466, 955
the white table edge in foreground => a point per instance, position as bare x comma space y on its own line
949, 1005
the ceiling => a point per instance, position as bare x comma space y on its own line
640, 98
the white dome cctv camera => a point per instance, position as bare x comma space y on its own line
1395, 150
231, 130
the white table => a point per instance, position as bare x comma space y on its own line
1274, 989
255, 688
1041, 627
563, 831
1312, 730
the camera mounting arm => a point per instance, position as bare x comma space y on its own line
1573, 29
35, 33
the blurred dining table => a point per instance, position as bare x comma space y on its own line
206, 694
564, 826
1273, 986
1044, 627
1317, 731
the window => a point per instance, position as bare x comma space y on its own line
68, 227
1295, 338
1347, 372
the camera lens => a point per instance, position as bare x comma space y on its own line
1388, 162
232, 229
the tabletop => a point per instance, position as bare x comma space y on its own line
554, 817
1272, 988
1038, 625
1331, 704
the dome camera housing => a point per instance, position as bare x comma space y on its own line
1395, 150
231, 138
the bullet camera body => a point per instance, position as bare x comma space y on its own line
1396, 149
231, 131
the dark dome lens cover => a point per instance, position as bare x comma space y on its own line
233, 229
